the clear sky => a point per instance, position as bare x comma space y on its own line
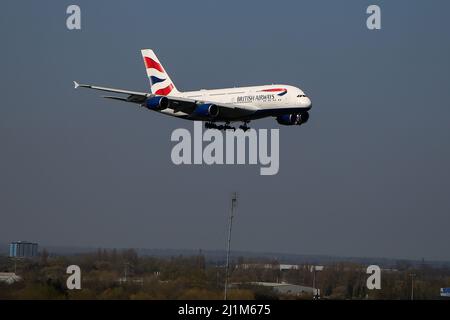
367, 176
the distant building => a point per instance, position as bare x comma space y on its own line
287, 288
289, 267
257, 266
134, 280
276, 266
9, 277
445, 292
23, 249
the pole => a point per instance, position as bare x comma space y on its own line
126, 272
412, 285
233, 206
314, 282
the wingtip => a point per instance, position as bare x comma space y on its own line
76, 84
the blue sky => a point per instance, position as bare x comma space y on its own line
367, 176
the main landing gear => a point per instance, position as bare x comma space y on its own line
226, 126
212, 125
245, 126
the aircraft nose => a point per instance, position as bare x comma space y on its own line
307, 102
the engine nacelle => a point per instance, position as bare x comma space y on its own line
157, 103
304, 117
293, 119
287, 119
206, 110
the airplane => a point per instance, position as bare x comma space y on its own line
288, 104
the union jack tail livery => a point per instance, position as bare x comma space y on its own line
160, 82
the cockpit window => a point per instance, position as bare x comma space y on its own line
301, 96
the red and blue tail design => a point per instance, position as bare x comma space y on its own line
160, 82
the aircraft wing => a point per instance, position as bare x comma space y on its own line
226, 110
135, 97
177, 104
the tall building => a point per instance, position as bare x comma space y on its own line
23, 249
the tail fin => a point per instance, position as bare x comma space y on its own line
160, 82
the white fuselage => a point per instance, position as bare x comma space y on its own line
266, 97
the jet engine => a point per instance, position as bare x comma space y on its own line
293, 119
157, 103
206, 110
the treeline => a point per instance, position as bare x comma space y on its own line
114, 274
123, 274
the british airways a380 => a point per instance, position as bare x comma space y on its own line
219, 107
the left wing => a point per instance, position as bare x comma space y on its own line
177, 104
135, 97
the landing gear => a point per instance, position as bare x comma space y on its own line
212, 125
245, 126
226, 126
